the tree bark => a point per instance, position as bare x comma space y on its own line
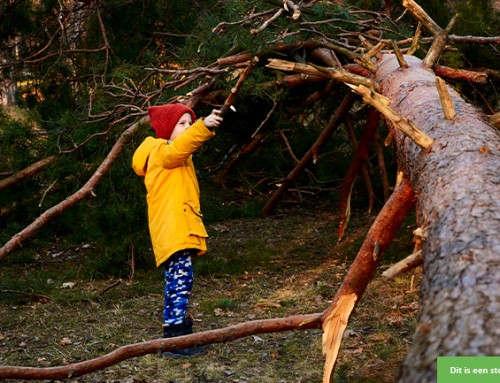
457, 184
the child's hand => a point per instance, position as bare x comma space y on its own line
213, 120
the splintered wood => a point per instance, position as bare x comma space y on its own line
334, 326
340, 75
446, 102
382, 104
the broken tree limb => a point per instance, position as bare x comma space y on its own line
479, 77
84, 192
399, 55
422, 16
461, 74
474, 39
235, 90
415, 41
382, 104
362, 270
445, 98
333, 330
440, 35
26, 173
457, 39
234, 59
290, 6
297, 322
333, 124
268, 22
438, 45
364, 168
409, 263
360, 158
457, 187
335, 74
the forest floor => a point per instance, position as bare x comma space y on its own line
257, 268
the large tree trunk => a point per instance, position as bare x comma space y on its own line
457, 184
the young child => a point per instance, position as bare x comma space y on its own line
173, 198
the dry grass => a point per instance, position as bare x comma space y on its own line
257, 268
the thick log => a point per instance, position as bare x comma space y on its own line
457, 184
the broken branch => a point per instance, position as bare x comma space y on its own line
445, 98
235, 90
72, 200
333, 124
360, 158
362, 270
382, 104
410, 262
297, 322
440, 35
331, 73
31, 170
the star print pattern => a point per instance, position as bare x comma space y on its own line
178, 274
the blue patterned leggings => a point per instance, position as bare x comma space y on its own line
178, 274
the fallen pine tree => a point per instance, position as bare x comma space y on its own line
457, 184
450, 160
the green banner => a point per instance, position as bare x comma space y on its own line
468, 369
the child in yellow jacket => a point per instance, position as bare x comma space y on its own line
173, 197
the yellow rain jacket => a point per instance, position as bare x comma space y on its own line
173, 194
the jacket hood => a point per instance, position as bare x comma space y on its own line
141, 155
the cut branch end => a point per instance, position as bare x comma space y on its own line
445, 98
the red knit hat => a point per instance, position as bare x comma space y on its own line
163, 118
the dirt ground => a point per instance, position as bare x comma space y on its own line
257, 268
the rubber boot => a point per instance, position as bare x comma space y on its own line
184, 328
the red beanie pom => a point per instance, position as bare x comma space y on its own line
163, 118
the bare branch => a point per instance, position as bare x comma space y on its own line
297, 322
28, 172
410, 262
406, 126
72, 200
336, 74
333, 124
